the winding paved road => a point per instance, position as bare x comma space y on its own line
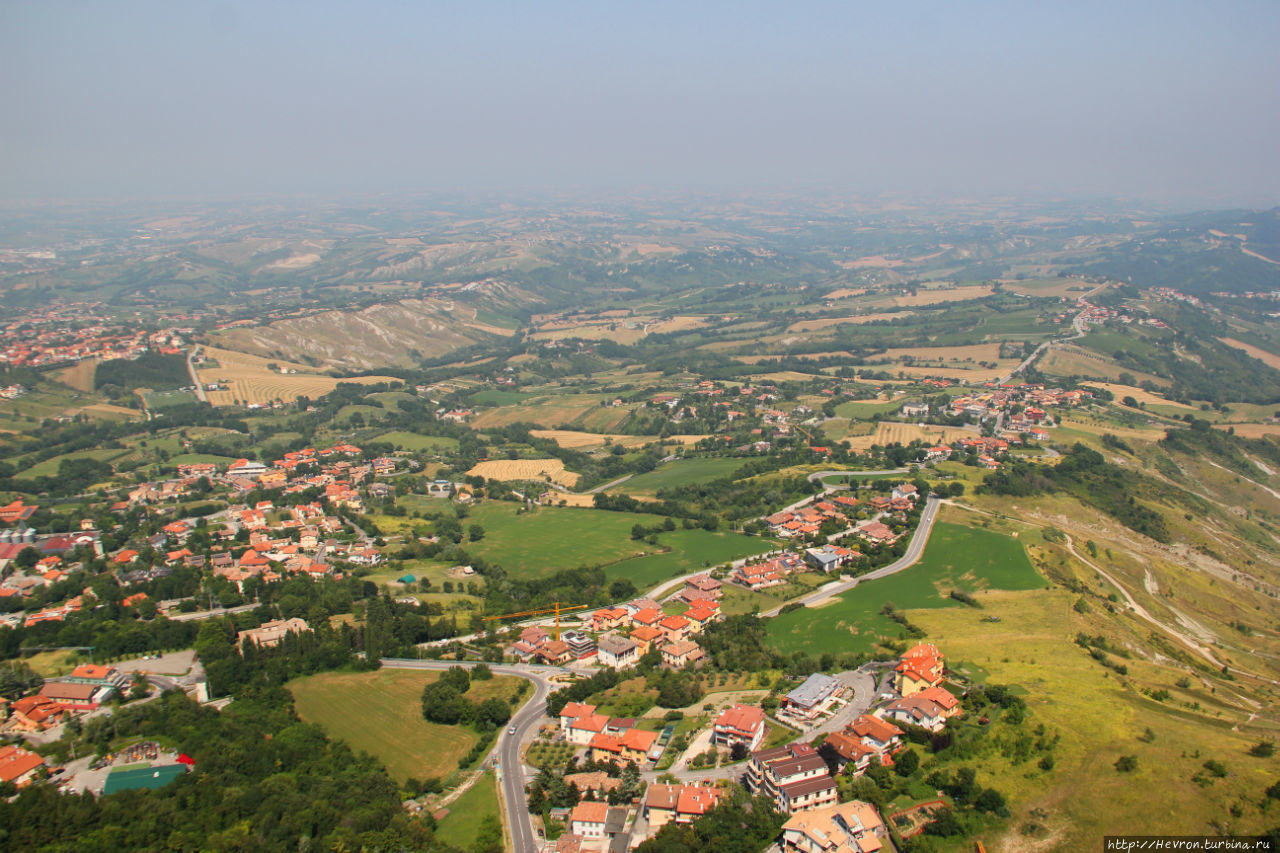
507, 747
918, 541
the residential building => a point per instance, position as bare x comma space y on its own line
876, 733
617, 651
588, 818
675, 627
852, 827
828, 558
554, 652
701, 588
572, 711
270, 634
742, 724
77, 697
580, 645
807, 700
929, 709
581, 730
19, 766
598, 781
794, 776
631, 745
645, 637
681, 654
920, 667
680, 803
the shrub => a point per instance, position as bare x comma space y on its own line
1127, 763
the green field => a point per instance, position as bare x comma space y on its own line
690, 550
957, 557
466, 814
1101, 717
49, 467
381, 713
163, 399
495, 397
553, 538
413, 442
867, 408
679, 472
549, 539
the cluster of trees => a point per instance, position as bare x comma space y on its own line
550, 790
738, 824
445, 701
262, 781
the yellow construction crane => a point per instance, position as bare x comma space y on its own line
557, 610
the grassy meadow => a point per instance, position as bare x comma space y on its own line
381, 713
958, 557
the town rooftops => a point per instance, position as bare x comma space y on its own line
573, 710
16, 762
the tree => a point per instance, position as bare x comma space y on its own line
990, 800
1127, 763
493, 711
27, 558
475, 532
442, 703
481, 672
907, 762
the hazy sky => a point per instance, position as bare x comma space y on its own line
1160, 100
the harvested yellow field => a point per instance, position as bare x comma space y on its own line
846, 293
1252, 430
870, 261
551, 470
623, 330
1067, 287
623, 334
827, 322
79, 375
964, 374
1067, 360
952, 294
974, 352
106, 409
674, 324
1118, 431
887, 433
753, 359
1122, 391
1268, 358
493, 330
249, 380
548, 415
576, 439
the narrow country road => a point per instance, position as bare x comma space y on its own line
195, 377
918, 541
